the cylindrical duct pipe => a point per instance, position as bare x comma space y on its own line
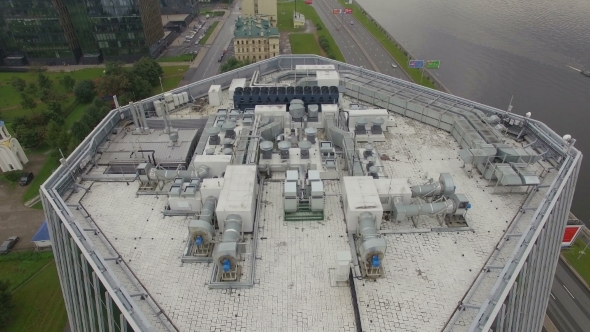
201, 172
202, 230
445, 186
142, 115
372, 248
401, 212
134, 115
425, 190
226, 253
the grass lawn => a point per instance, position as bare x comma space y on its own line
76, 114
304, 43
10, 98
395, 52
581, 265
212, 14
208, 33
50, 165
285, 23
178, 58
171, 78
39, 304
17, 267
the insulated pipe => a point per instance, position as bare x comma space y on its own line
201, 172
401, 212
432, 189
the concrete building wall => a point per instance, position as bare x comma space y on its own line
261, 7
256, 48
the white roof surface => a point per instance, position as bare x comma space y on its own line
426, 273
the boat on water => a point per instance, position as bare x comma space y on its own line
585, 72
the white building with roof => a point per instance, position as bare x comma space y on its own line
451, 221
12, 156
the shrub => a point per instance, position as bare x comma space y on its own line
13, 177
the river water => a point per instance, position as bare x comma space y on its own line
492, 50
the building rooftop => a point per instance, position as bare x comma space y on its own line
250, 27
419, 218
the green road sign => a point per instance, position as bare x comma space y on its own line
432, 64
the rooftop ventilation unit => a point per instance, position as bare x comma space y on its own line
305, 146
284, 147
368, 150
226, 252
312, 112
228, 143
374, 172
371, 162
310, 133
372, 247
266, 148
297, 109
213, 135
228, 128
227, 151
210, 152
360, 127
376, 128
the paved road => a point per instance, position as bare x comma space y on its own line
569, 303
209, 66
347, 37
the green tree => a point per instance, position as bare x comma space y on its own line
149, 70
80, 130
50, 95
84, 91
43, 81
114, 68
67, 82
27, 136
6, 304
113, 85
31, 89
52, 133
139, 88
18, 83
55, 107
27, 102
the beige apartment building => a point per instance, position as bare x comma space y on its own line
255, 39
268, 8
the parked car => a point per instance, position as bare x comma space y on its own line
8, 244
26, 178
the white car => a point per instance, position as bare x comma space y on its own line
394, 65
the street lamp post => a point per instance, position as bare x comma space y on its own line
161, 86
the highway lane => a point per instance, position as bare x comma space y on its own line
350, 50
569, 303
352, 53
209, 66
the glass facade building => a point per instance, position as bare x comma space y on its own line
86, 31
40, 30
116, 29
170, 7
